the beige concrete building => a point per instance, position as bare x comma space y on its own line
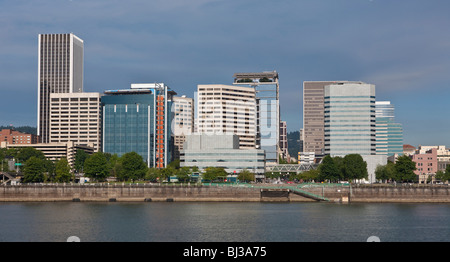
228, 109
183, 121
313, 116
76, 117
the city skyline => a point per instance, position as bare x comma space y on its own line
402, 49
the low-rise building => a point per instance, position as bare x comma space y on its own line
15, 137
306, 158
55, 151
221, 150
426, 163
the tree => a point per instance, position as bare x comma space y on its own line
328, 170
246, 176
354, 167
96, 166
153, 174
80, 158
62, 171
404, 169
309, 176
133, 166
183, 173
212, 173
166, 172
25, 153
385, 172
443, 175
34, 170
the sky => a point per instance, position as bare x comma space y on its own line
402, 47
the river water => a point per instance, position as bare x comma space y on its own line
223, 222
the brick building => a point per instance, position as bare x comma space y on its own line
16, 137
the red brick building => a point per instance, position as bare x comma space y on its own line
15, 137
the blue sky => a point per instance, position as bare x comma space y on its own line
403, 47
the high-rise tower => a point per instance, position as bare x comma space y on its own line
389, 134
268, 118
60, 70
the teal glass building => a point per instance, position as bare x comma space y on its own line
139, 119
389, 134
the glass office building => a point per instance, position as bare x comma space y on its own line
349, 119
268, 111
389, 134
139, 119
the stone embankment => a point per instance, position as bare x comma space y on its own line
169, 193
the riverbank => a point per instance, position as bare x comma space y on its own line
222, 193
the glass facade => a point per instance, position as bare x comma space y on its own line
128, 125
139, 121
268, 111
349, 119
389, 134
268, 119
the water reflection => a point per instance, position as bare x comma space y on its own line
229, 222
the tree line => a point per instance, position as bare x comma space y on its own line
99, 166
403, 171
35, 166
332, 169
353, 167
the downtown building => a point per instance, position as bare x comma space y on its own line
76, 117
313, 132
389, 134
227, 109
349, 119
60, 70
183, 122
223, 151
266, 88
350, 123
139, 119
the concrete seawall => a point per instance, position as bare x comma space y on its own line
169, 193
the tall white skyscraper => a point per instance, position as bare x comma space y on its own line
60, 70
349, 119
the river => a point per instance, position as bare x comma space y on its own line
223, 222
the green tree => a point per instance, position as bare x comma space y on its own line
153, 174
328, 170
212, 173
443, 175
115, 168
165, 173
385, 172
96, 166
339, 162
309, 176
133, 167
404, 169
25, 153
354, 167
80, 158
246, 176
183, 173
34, 170
62, 171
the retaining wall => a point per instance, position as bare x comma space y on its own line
145, 192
